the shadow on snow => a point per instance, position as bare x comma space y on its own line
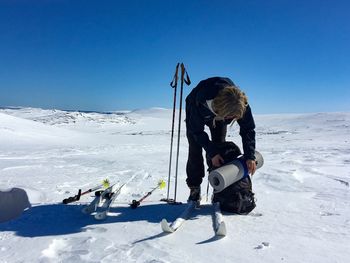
60, 219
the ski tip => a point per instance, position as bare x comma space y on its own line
165, 226
221, 231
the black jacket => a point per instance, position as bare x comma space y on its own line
198, 115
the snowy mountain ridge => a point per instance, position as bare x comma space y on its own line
60, 117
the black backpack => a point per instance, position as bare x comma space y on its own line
237, 198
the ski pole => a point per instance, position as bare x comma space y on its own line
105, 184
188, 82
207, 198
173, 84
136, 203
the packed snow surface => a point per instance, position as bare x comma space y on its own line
303, 200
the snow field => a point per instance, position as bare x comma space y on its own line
303, 202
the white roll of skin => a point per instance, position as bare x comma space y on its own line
232, 172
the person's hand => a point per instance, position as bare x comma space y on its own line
217, 160
251, 164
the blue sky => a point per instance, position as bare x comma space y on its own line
288, 56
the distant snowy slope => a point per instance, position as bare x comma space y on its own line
154, 112
69, 118
313, 122
133, 122
18, 131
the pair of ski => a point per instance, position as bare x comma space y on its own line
219, 223
101, 204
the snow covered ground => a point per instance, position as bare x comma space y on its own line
303, 199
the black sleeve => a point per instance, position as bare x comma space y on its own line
195, 127
247, 132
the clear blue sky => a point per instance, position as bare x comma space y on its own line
288, 56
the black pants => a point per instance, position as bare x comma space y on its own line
195, 166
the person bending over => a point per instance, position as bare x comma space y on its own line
215, 102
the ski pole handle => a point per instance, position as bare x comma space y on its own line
72, 198
134, 204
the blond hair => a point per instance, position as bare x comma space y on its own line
230, 101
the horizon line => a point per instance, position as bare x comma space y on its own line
153, 107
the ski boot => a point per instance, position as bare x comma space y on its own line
195, 194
